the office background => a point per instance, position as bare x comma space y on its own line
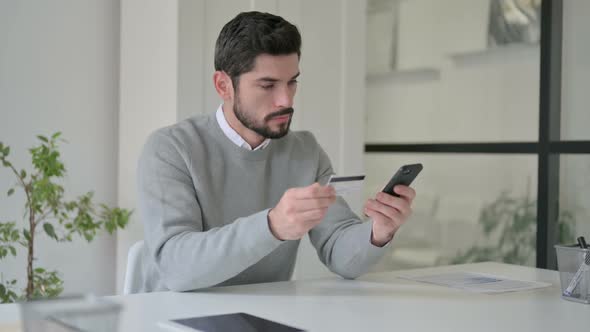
107, 73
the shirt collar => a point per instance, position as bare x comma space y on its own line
233, 135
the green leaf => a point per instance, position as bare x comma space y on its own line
110, 226
14, 235
27, 235
6, 150
12, 251
88, 237
49, 230
10, 191
43, 138
56, 135
39, 270
23, 173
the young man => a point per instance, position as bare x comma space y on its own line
226, 197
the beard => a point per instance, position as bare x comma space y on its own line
263, 129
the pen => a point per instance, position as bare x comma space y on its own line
579, 274
582, 242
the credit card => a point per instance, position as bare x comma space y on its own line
346, 184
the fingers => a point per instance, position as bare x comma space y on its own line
386, 210
378, 216
313, 191
309, 198
299, 210
405, 192
401, 204
373, 214
313, 204
302, 205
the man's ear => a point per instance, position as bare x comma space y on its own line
223, 85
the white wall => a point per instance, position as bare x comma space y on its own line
148, 97
176, 82
331, 94
59, 72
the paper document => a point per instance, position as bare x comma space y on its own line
478, 282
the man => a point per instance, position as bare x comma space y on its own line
226, 197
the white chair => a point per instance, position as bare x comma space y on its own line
133, 273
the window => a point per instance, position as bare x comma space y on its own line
491, 114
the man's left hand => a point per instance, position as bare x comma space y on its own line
388, 213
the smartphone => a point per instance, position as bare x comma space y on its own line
404, 175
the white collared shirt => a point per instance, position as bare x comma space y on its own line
233, 135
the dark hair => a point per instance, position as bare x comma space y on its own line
250, 34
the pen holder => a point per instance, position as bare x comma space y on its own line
574, 272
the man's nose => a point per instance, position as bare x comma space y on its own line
284, 98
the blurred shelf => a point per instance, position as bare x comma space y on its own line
497, 54
404, 76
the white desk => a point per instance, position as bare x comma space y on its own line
374, 302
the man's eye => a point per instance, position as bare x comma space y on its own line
293, 82
267, 87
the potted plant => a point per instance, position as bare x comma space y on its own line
48, 212
513, 222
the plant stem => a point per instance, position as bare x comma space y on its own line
27, 188
30, 286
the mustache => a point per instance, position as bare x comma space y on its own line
284, 111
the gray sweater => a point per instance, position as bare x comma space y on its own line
204, 203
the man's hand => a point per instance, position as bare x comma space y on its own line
389, 213
299, 210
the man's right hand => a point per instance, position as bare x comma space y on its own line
299, 210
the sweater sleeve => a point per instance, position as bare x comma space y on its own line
342, 240
186, 256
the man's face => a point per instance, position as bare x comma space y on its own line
264, 96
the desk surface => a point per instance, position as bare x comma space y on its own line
374, 302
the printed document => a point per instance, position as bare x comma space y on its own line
478, 282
